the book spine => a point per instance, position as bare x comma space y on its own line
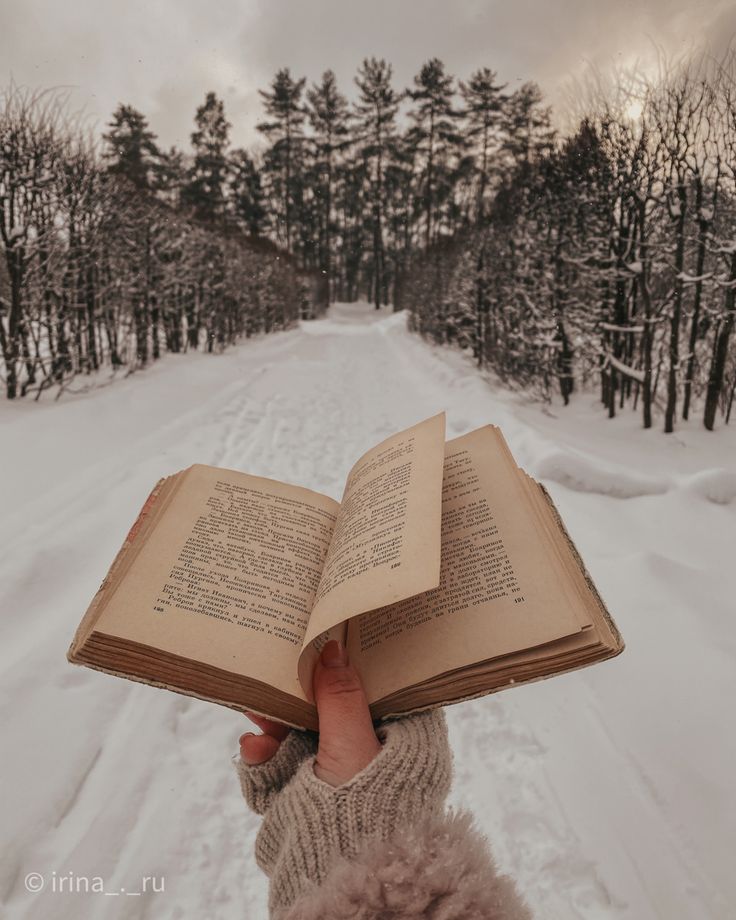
135, 529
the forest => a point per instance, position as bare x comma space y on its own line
603, 256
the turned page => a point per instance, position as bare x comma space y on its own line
228, 575
386, 544
501, 587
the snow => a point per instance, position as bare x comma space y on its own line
607, 793
717, 486
612, 327
687, 278
625, 369
583, 474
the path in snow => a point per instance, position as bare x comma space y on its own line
607, 793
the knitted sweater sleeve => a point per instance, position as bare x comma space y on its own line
381, 845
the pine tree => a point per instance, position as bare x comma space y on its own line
351, 205
484, 101
284, 130
170, 176
329, 120
375, 113
434, 134
527, 124
131, 146
246, 196
400, 178
205, 191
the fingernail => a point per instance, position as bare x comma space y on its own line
244, 756
334, 654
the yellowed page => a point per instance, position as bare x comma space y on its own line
228, 575
500, 590
386, 544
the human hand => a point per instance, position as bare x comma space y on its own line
347, 741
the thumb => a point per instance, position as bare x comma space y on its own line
347, 742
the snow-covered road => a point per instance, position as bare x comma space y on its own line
608, 793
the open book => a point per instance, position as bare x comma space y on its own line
446, 571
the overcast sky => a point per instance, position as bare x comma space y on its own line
163, 55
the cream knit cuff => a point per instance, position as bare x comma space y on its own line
261, 782
308, 824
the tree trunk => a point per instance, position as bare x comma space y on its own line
481, 307
11, 352
428, 186
694, 322
378, 229
674, 345
92, 353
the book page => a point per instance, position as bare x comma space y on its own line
386, 544
228, 575
501, 589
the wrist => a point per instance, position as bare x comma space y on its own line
312, 823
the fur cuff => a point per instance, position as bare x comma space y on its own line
440, 867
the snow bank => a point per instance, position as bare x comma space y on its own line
586, 475
718, 486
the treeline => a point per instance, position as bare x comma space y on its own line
610, 256
102, 263
350, 190
355, 189
112, 254
607, 255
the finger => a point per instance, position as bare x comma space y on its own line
269, 727
255, 749
347, 741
